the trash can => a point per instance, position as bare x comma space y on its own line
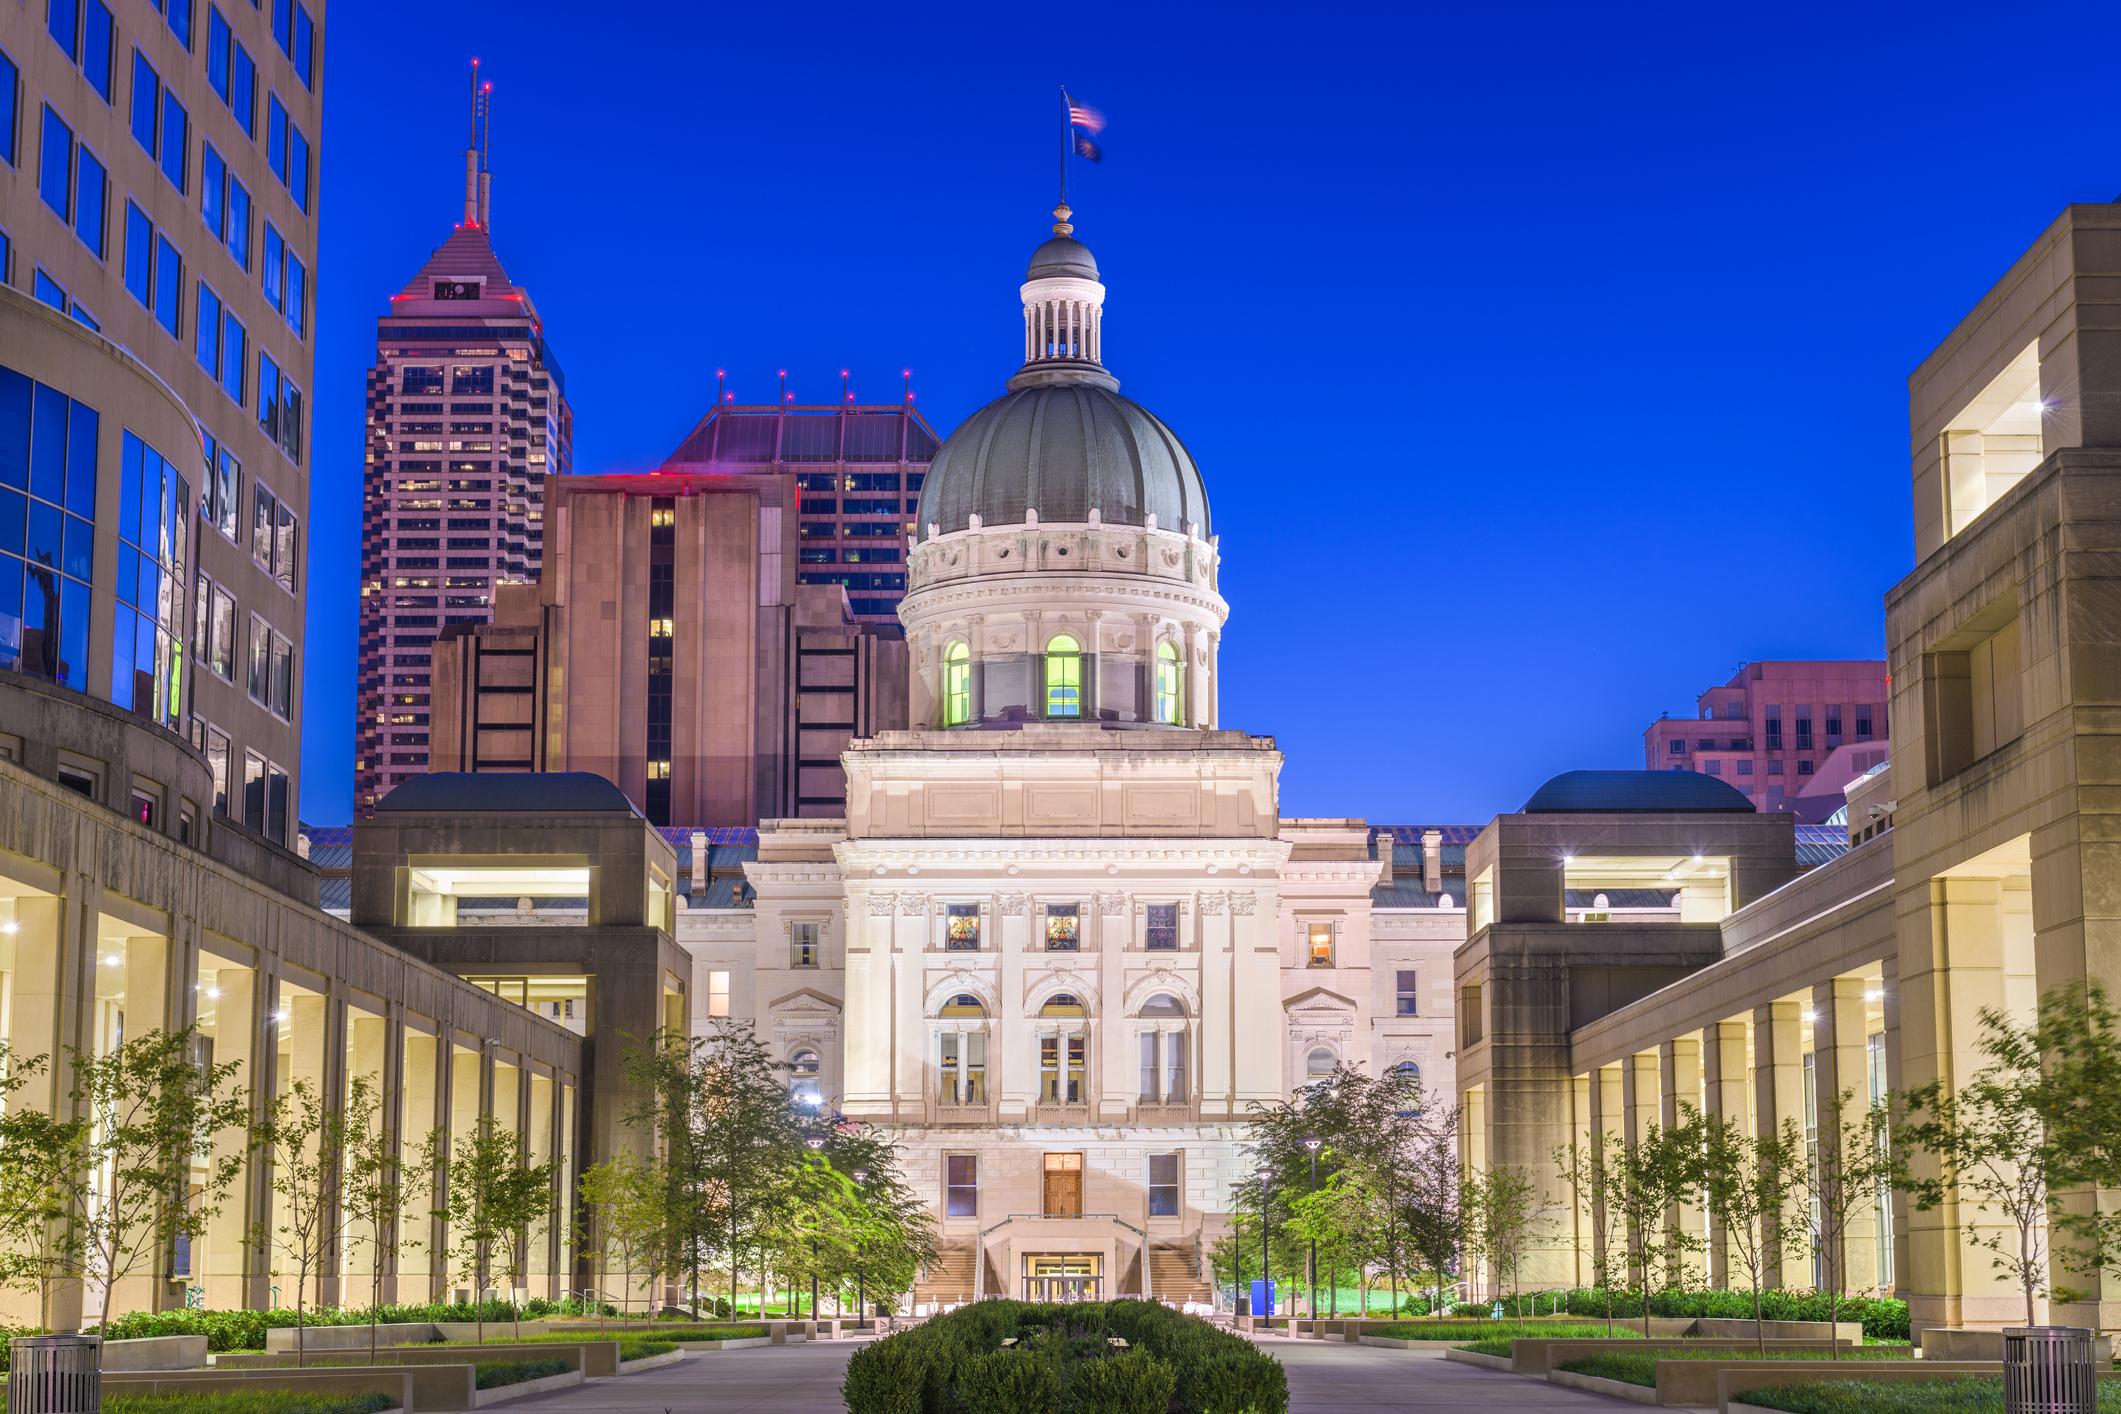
55, 1374
2049, 1370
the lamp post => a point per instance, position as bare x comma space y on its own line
861, 1290
816, 1142
1266, 1278
1313, 1143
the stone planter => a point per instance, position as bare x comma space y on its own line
502, 1394
1617, 1389
155, 1352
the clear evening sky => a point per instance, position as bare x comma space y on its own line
1545, 362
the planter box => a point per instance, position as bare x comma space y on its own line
1761, 1374
1486, 1362
1617, 1389
1719, 1328
1388, 1343
1534, 1356
740, 1343
502, 1394
399, 1384
1953, 1343
155, 1352
280, 1338
469, 1330
594, 1359
650, 1362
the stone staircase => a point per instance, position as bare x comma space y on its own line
950, 1279
1171, 1275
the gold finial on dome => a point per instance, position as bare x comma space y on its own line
1061, 213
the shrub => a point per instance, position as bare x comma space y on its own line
722, 1308
1007, 1383
1974, 1396
495, 1373
1134, 1383
887, 1378
1883, 1317
1640, 1368
266, 1401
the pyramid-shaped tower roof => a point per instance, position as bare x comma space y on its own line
466, 254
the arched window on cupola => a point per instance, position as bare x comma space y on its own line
1163, 1053
957, 685
1064, 678
961, 1059
1167, 677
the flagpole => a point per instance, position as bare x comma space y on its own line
1065, 135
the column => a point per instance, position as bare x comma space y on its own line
1679, 1084
1840, 1066
419, 1116
1778, 1099
227, 1261
1724, 1096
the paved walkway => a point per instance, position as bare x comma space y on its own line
1323, 1379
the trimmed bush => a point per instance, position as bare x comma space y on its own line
268, 1401
958, 1364
1640, 1368
1974, 1396
1883, 1317
495, 1373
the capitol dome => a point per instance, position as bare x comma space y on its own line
1062, 442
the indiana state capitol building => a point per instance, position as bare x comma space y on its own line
1063, 938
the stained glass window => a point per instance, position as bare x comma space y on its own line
964, 927
1061, 927
1163, 927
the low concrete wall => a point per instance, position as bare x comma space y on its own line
1953, 1343
155, 1352
1851, 1331
1537, 1357
741, 1343
1692, 1384
397, 1384
650, 1362
502, 1394
349, 1337
1617, 1389
595, 1359
1486, 1362
1761, 1374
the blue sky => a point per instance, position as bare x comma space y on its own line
1544, 362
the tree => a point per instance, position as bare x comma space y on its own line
38, 1152
488, 1198
372, 1188
1744, 1181
1589, 1170
1851, 1167
875, 1226
305, 1139
2074, 1047
1507, 1212
147, 1172
521, 1203
624, 1195
1645, 1180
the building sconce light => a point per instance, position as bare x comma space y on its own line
1811, 1016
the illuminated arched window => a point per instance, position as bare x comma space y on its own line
1062, 1004
1064, 677
1319, 1065
963, 1004
1409, 1074
1167, 685
957, 686
803, 1066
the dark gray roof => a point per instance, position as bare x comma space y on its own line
1619, 792
1063, 256
1064, 451
518, 791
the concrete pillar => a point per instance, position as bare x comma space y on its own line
228, 1262
1778, 1096
1679, 1086
420, 1116
1840, 1067
541, 1271
1725, 1095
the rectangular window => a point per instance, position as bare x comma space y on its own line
1175, 1089
1774, 728
268, 396
206, 331
291, 420
1163, 1185
1062, 926
963, 927
180, 22
98, 40
238, 222
139, 255
1162, 931
1320, 941
718, 994
1714, 768
283, 547
1774, 768
949, 1072
283, 677
55, 168
260, 682
961, 1185
217, 762
275, 804
147, 97
176, 140
803, 947
1804, 728
1804, 768
169, 285
1407, 993
10, 90
1745, 768
243, 88
63, 19
303, 52
1833, 725
91, 201
228, 472
1676, 746
297, 283
261, 522
254, 791
213, 191
217, 38
223, 649
235, 358
274, 256
275, 136
1150, 1074
1863, 723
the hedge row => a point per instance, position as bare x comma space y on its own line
245, 1330
1883, 1318
1062, 1363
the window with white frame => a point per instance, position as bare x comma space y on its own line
804, 1069
1163, 1053
961, 1185
718, 994
802, 945
1163, 1185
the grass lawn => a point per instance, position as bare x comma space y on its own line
1494, 1337
1640, 1368
495, 1373
1974, 1396
633, 1345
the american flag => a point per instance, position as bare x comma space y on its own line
1082, 115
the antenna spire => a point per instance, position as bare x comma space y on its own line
471, 155
486, 156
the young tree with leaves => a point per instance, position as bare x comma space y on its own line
304, 1138
624, 1196
1852, 1168
486, 1198
38, 1154
139, 1181
372, 1187
1646, 1180
1745, 1183
1509, 1213
1589, 1170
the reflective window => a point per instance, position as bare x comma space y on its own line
957, 685
961, 1185
1167, 684
176, 140
146, 97
1407, 993
1319, 1064
1163, 1185
803, 1069
55, 167
1064, 677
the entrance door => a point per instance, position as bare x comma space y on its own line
1064, 1278
1064, 1185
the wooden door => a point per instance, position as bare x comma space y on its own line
1064, 1185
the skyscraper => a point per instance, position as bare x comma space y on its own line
157, 238
467, 414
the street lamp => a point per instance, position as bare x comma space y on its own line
816, 1142
1266, 1278
1313, 1143
861, 1291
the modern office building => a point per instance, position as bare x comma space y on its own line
1787, 735
467, 417
1982, 875
857, 472
158, 190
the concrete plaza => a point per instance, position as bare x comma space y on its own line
1323, 1379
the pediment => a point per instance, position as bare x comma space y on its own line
804, 1003
1319, 1002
